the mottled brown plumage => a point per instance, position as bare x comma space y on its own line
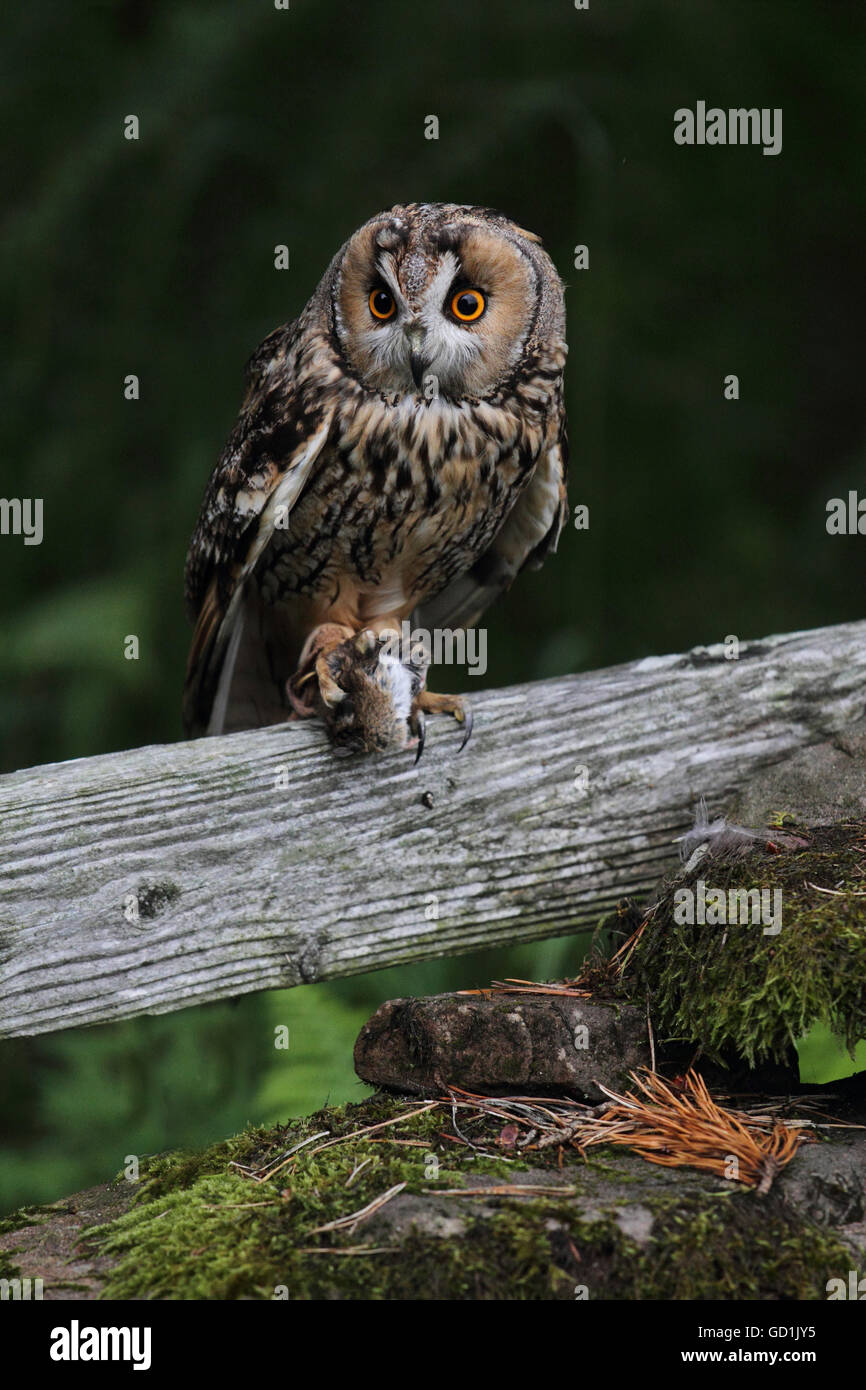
382, 467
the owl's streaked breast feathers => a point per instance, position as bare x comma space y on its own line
401, 445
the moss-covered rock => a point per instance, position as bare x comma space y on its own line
742, 990
387, 1200
205, 1226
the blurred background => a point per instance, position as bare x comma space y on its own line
261, 127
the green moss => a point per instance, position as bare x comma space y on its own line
8, 1268
732, 1246
25, 1216
734, 989
181, 1169
504, 1256
189, 1243
202, 1229
192, 1233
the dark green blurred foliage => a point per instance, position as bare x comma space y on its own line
261, 127
73, 1106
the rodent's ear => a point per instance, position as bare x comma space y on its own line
365, 642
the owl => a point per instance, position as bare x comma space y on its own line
399, 457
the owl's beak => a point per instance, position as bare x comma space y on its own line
415, 336
416, 367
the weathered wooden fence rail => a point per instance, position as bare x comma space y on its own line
146, 881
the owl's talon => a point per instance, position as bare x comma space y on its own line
455, 705
468, 721
303, 703
420, 730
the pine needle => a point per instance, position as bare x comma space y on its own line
681, 1125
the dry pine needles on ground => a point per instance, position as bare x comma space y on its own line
673, 1123
678, 1124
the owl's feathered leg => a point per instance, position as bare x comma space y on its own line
426, 702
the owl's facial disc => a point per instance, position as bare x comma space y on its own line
435, 315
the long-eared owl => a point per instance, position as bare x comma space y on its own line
400, 454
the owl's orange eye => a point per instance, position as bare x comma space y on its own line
382, 304
468, 305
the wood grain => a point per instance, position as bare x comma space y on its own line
260, 860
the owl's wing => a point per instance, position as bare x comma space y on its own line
260, 475
528, 535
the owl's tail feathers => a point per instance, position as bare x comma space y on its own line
201, 668
236, 670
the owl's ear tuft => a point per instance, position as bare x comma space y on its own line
529, 236
392, 234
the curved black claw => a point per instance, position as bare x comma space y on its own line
420, 730
467, 720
